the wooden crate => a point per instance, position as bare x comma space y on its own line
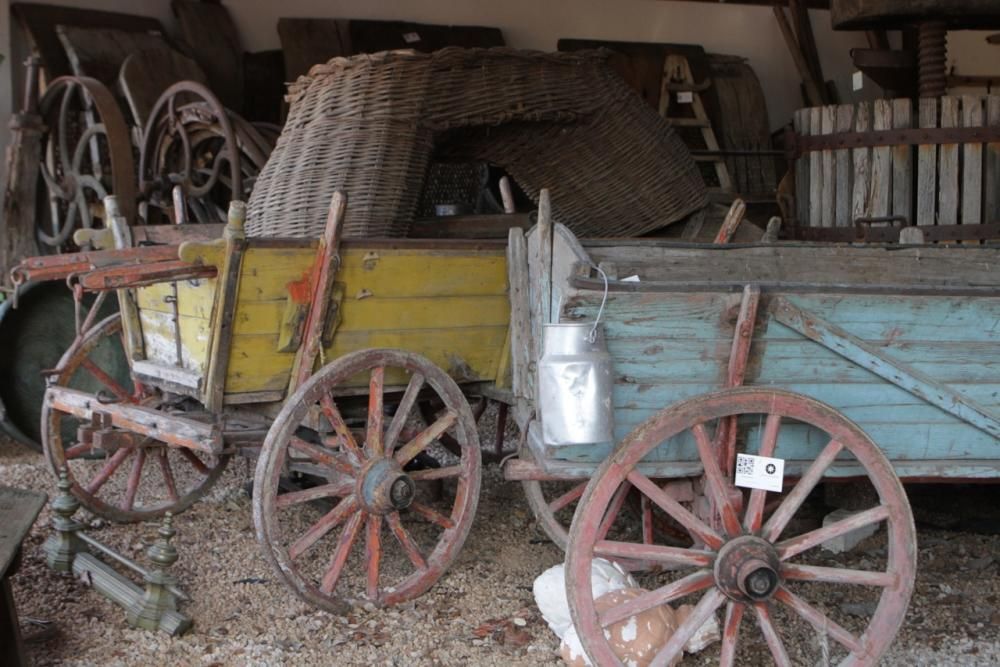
879, 163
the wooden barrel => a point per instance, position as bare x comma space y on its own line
928, 162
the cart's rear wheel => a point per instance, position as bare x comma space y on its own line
749, 565
126, 482
348, 514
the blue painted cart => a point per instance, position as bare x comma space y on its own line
859, 363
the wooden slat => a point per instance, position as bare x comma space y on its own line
972, 163
844, 123
927, 166
992, 211
862, 164
830, 184
801, 124
881, 170
816, 171
902, 163
520, 326
948, 167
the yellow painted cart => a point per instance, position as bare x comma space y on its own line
348, 362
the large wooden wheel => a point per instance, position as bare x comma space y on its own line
120, 478
347, 502
86, 156
749, 564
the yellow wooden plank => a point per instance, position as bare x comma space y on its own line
468, 354
194, 297
384, 273
383, 314
159, 338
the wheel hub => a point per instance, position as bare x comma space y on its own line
383, 487
747, 569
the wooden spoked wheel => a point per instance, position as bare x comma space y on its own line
118, 475
365, 503
750, 565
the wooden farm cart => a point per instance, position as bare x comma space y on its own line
859, 363
339, 364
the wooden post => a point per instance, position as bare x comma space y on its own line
844, 123
829, 177
992, 212
324, 271
862, 165
545, 252
801, 125
121, 234
815, 171
881, 171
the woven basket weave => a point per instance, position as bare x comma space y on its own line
368, 125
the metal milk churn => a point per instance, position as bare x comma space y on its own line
574, 385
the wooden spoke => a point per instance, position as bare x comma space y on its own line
838, 575
694, 525
730, 633
168, 475
120, 392
796, 545
653, 552
694, 582
709, 602
435, 473
134, 478
334, 490
321, 455
432, 515
418, 444
78, 450
565, 499
717, 484
197, 463
405, 541
790, 505
646, 509
373, 434
327, 523
109, 469
373, 554
755, 506
819, 620
771, 635
403, 411
347, 441
614, 509
340, 554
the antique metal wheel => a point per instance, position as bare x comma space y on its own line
343, 504
750, 565
192, 141
86, 155
116, 476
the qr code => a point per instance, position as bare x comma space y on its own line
744, 464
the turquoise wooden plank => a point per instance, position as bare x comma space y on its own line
870, 317
897, 373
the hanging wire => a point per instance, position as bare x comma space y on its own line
592, 336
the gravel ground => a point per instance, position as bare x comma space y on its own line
245, 616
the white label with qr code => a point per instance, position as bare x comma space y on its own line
759, 472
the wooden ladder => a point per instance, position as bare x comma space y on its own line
677, 81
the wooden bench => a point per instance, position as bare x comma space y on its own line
18, 510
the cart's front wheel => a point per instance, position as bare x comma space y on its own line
749, 563
348, 501
124, 479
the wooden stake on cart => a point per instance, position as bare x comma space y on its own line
324, 271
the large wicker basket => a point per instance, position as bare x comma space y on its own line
369, 124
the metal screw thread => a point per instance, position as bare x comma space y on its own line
932, 58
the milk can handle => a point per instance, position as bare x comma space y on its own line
592, 336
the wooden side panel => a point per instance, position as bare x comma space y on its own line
449, 305
669, 347
156, 315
